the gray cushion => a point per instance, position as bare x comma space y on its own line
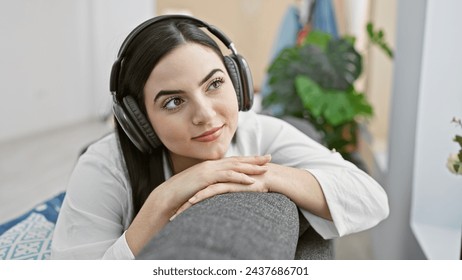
239, 226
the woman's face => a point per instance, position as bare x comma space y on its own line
191, 103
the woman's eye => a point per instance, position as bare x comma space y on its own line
173, 103
215, 84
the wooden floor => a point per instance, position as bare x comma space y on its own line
37, 167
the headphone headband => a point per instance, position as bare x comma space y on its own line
215, 31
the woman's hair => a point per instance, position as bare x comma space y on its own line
146, 171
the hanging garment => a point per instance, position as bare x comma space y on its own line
286, 37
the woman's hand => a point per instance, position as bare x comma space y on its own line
252, 182
218, 175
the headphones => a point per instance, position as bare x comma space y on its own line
125, 108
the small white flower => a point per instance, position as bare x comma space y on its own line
454, 165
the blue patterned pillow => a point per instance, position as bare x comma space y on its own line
29, 236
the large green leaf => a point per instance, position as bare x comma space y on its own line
318, 38
336, 107
335, 69
282, 73
339, 65
345, 62
333, 64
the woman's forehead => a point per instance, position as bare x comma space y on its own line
189, 59
185, 66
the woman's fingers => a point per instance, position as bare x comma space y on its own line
232, 170
221, 188
214, 177
228, 169
183, 207
248, 168
231, 176
258, 160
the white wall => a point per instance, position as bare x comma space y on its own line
56, 57
440, 100
437, 194
113, 20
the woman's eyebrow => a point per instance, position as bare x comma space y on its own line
167, 92
178, 91
206, 78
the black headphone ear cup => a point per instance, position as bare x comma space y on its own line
233, 73
130, 128
141, 122
246, 82
240, 74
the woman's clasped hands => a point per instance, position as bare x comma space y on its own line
214, 177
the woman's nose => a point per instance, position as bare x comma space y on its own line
203, 112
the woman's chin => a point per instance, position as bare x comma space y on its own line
214, 155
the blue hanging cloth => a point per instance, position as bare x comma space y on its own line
323, 17
286, 37
288, 31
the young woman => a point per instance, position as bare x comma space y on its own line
181, 141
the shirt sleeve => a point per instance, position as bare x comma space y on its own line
119, 251
91, 220
355, 200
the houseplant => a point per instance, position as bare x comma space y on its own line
315, 81
454, 163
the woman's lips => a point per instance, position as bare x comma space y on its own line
209, 135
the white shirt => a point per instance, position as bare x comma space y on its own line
98, 208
